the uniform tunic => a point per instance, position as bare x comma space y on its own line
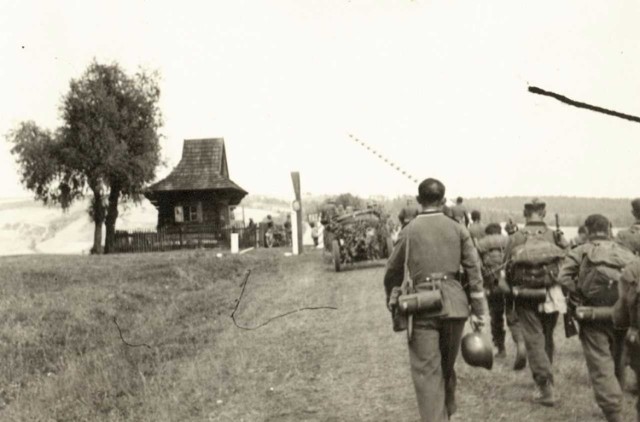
477, 230
601, 343
437, 244
407, 214
459, 213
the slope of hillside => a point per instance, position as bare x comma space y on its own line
27, 226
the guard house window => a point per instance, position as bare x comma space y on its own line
190, 213
187, 213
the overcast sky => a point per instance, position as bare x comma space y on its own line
438, 86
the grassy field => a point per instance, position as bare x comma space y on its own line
62, 359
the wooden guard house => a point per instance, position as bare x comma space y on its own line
197, 194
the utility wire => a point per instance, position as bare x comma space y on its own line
244, 286
566, 100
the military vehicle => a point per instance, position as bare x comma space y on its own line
356, 236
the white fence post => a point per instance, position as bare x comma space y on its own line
235, 248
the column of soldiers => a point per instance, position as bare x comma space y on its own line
530, 277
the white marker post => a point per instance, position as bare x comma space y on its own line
294, 234
235, 243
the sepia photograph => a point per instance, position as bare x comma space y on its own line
319, 211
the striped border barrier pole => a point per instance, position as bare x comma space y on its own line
385, 159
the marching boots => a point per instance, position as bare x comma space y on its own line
521, 353
546, 396
450, 403
502, 353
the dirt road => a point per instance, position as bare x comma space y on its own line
61, 357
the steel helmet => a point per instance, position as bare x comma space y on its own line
476, 351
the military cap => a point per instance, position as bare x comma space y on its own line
535, 205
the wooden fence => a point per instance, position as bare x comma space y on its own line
171, 238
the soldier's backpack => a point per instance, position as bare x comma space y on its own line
491, 248
600, 272
630, 238
535, 263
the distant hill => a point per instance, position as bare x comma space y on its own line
27, 226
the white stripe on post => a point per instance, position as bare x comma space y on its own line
294, 234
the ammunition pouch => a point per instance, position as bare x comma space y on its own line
594, 313
531, 295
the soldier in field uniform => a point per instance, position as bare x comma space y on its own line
631, 237
437, 246
537, 317
588, 285
476, 228
408, 213
459, 212
491, 249
626, 314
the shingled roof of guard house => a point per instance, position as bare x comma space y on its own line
203, 166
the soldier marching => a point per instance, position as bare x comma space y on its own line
532, 277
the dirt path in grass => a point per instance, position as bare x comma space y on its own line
64, 360
348, 365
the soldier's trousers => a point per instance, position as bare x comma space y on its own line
537, 328
633, 351
432, 354
602, 346
499, 305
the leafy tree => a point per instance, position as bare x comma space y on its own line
348, 199
108, 145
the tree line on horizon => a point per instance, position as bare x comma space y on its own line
572, 211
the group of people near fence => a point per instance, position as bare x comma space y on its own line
529, 278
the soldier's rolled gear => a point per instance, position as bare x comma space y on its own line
428, 298
423, 299
537, 295
594, 313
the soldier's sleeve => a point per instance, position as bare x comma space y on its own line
394, 272
471, 264
570, 268
621, 238
625, 311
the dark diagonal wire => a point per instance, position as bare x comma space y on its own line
566, 100
244, 286
115, 321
